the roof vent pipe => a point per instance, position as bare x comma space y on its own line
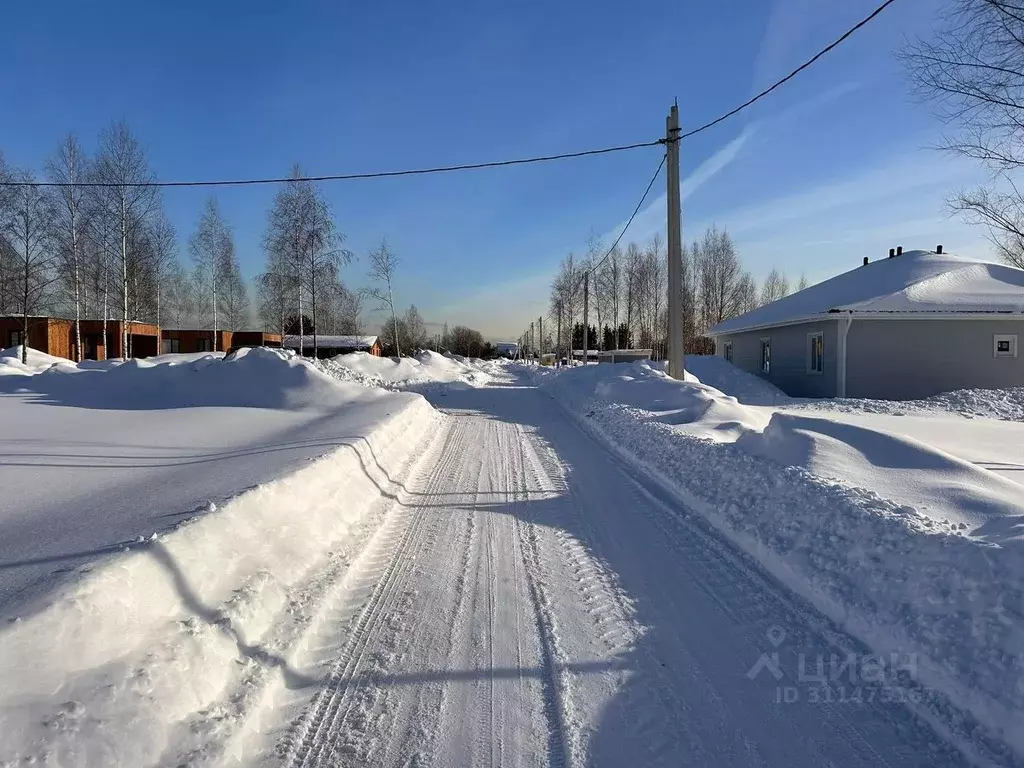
899, 250
892, 253
938, 249
866, 260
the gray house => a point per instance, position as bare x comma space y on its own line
909, 326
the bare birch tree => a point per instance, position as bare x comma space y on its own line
383, 264
8, 258
122, 164
29, 231
774, 287
234, 295
972, 70
70, 166
323, 252
164, 261
208, 246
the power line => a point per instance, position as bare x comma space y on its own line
593, 268
470, 166
835, 43
344, 176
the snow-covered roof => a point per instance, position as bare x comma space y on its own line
914, 283
331, 342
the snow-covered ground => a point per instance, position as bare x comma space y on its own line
159, 523
474, 578
425, 369
910, 547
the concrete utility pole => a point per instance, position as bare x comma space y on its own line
586, 313
676, 364
540, 333
533, 345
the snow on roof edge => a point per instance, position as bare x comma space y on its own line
917, 283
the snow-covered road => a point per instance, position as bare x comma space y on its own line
527, 601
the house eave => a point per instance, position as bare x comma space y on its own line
834, 314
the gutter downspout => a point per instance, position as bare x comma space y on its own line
844, 329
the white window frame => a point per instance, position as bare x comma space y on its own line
1010, 337
727, 351
765, 366
810, 354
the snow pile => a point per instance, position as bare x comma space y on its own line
426, 368
10, 361
252, 378
114, 662
946, 492
1004, 404
696, 408
717, 372
941, 580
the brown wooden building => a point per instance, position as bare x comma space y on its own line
56, 336
182, 340
255, 339
51, 335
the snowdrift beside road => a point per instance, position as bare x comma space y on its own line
942, 580
427, 368
112, 662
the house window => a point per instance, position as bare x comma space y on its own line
15, 339
171, 346
728, 351
204, 345
1004, 345
766, 355
815, 353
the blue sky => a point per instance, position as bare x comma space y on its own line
832, 167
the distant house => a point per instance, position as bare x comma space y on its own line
507, 348
182, 340
56, 336
624, 355
908, 326
329, 346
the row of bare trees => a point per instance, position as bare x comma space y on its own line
302, 277
98, 245
972, 71
628, 291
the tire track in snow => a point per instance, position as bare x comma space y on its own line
740, 590
563, 736
318, 733
416, 724
227, 725
657, 711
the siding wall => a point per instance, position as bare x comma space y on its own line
61, 333
38, 332
255, 339
909, 359
789, 357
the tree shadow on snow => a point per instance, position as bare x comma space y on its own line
694, 688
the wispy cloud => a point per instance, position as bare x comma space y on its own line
651, 219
